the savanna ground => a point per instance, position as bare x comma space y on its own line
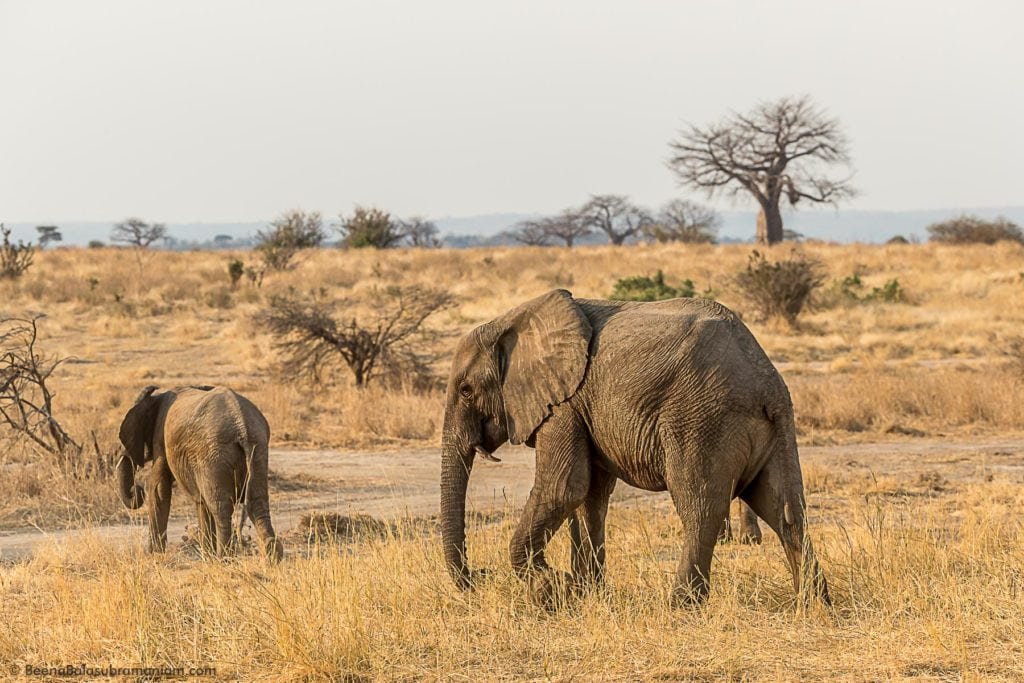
911, 423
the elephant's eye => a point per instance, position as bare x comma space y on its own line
466, 391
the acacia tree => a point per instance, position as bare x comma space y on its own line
370, 227
567, 226
47, 234
419, 232
615, 216
778, 151
286, 235
533, 233
680, 220
138, 233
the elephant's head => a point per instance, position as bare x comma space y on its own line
506, 375
136, 435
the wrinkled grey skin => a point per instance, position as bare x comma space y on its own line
673, 395
214, 444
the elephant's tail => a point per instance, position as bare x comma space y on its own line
249, 450
778, 408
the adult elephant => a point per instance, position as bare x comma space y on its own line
211, 441
672, 395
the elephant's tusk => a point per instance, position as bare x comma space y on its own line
486, 456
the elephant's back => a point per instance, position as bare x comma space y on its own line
216, 416
693, 346
660, 328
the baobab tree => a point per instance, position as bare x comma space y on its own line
779, 151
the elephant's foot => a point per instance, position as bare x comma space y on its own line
691, 589
551, 589
274, 550
587, 582
157, 544
471, 578
689, 597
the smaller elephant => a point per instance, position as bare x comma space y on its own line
215, 444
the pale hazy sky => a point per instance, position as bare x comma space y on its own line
229, 111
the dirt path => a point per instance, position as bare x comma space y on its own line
391, 484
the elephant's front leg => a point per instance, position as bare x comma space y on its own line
587, 528
158, 492
561, 483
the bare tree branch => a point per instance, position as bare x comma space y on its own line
615, 216
138, 233
532, 233
683, 221
567, 226
394, 339
26, 401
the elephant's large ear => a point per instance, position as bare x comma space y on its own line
136, 433
542, 354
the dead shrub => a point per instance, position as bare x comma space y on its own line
780, 289
15, 259
392, 344
967, 229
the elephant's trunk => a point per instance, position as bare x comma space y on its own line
131, 494
456, 463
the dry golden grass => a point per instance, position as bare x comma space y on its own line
182, 323
925, 573
937, 364
926, 580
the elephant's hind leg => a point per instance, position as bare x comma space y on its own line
701, 497
776, 495
207, 529
222, 509
701, 509
158, 492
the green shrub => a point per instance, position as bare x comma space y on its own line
643, 288
889, 293
370, 227
851, 290
849, 287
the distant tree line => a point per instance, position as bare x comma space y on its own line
620, 220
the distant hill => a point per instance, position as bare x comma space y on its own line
462, 231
